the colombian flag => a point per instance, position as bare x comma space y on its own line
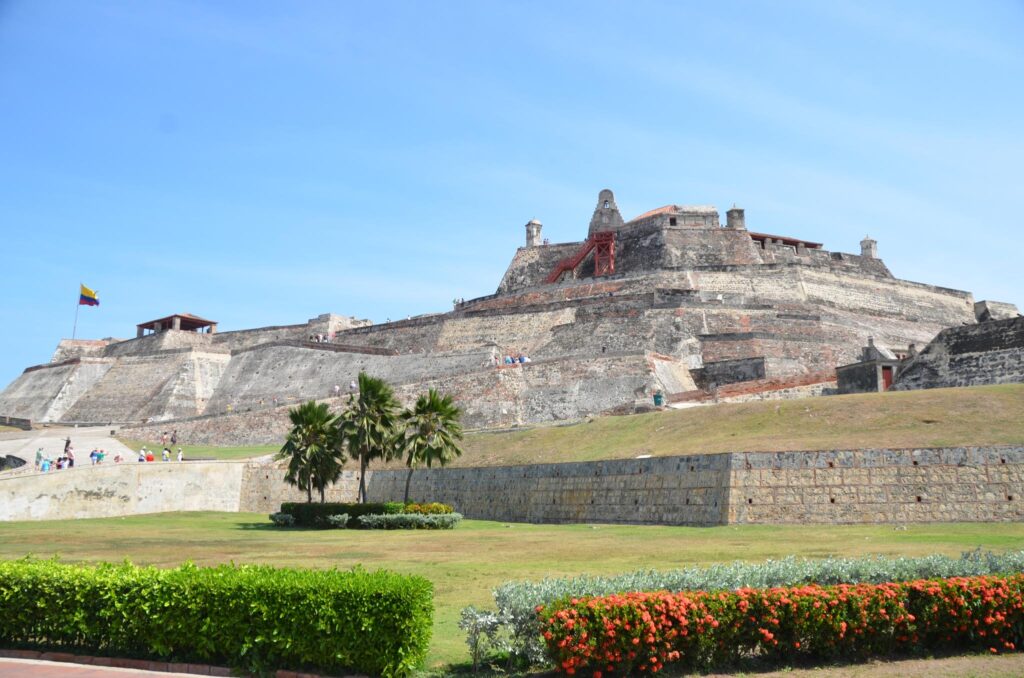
88, 297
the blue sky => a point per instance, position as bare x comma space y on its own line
261, 163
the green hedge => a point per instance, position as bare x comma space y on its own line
316, 515
251, 618
410, 521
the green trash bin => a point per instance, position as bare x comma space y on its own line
659, 399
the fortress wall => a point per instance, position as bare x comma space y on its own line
510, 333
844, 291
666, 490
885, 486
171, 340
894, 298
122, 489
242, 339
264, 489
79, 382
44, 394
127, 389
868, 487
188, 392
68, 349
990, 352
558, 389
256, 377
556, 293
546, 390
264, 426
415, 335
531, 265
973, 484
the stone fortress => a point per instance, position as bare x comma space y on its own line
671, 303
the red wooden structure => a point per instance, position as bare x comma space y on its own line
601, 244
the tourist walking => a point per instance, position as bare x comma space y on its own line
39, 458
181, 455
71, 457
174, 437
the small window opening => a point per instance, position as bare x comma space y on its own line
750, 501
918, 499
831, 500
606, 204
671, 221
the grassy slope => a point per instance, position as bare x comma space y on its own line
465, 564
983, 415
205, 451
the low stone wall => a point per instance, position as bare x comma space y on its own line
969, 484
667, 490
832, 487
108, 490
16, 422
977, 484
132, 488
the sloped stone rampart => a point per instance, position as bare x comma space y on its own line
45, 393
990, 352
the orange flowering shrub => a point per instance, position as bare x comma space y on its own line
641, 632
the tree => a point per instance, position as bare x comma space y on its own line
432, 432
313, 448
369, 425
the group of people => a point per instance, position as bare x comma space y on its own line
67, 458
321, 338
352, 388
45, 464
519, 359
165, 455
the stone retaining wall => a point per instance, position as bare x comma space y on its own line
887, 486
832, 487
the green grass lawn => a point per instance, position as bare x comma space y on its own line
466, 563
194, 452
982, 415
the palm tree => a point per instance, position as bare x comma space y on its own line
432, 432
313, 448
369, 425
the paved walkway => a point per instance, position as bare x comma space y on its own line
34, 668
24, 444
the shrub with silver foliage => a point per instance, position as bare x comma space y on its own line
517, 601
483, 633
339, 522
410, 521
282, 519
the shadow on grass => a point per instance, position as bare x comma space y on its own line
271, 527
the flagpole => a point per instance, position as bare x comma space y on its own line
78, 303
